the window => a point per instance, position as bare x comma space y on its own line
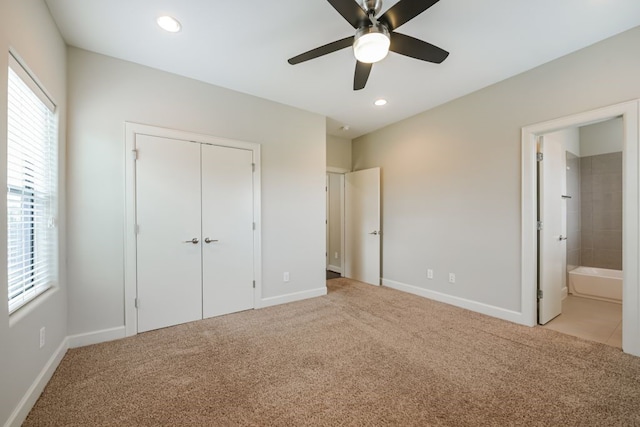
31, 188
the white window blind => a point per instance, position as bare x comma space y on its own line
31, 188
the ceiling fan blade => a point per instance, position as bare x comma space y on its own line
322, 50
418, 49
362, 75
403, 11
351, 11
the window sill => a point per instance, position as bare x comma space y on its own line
33, 305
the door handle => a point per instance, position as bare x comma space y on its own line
375, 233
194, 241
208, 240
561, 238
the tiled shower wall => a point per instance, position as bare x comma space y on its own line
573, 212
601, 211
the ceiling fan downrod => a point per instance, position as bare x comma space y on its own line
372, 7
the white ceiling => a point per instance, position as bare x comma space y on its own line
244, 45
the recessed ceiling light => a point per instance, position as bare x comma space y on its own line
169, 23
380, 102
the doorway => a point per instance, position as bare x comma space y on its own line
335, 225
580, 238
192, 227
357, 194
630, 240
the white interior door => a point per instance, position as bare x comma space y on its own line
552, 236
227, 230
169, 289
362, 226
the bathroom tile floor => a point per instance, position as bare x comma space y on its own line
590, 319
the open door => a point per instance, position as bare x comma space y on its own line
551, 235
362, 226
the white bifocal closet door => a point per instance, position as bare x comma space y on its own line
168, 212
227, 230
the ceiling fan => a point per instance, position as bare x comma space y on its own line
375, 37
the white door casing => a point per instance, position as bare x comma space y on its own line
552, 236
168, 212
362, 226
227, 230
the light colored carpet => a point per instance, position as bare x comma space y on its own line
361, 355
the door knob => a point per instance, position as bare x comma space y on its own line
194, 241
561, 238
208, 240
375, 233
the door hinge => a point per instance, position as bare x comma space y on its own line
539, 225
253, 167
135, 302
539, 293
539, 157
254, 284
254, 225
134, 152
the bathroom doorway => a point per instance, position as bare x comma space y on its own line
586, 196
628, 114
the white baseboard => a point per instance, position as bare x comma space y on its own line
295, 296
29, 399
489, 310
334, 269
565, 292
96, 337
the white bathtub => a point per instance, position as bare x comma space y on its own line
596, 283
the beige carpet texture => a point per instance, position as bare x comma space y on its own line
361, 355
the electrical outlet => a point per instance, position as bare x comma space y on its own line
42, 330
335, 255
429, 273
286, 276
452, 278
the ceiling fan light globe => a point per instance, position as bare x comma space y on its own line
371, 44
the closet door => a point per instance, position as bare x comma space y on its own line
168, 214
227, 230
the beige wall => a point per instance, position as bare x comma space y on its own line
338, 152
26, 27
601, 138
103, 94
452, 176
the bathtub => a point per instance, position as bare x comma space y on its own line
596, 283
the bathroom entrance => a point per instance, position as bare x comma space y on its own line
601, 219
580, 174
